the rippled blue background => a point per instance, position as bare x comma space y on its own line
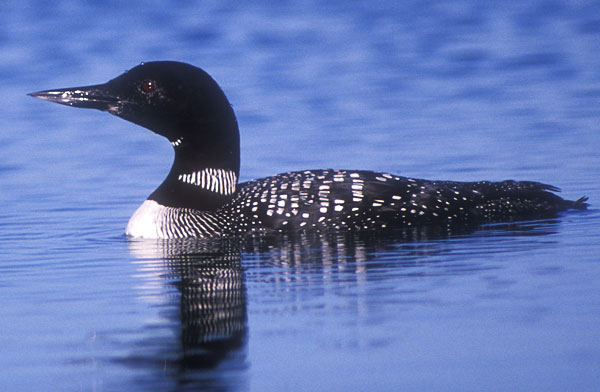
463, 90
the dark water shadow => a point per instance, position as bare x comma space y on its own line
394, 248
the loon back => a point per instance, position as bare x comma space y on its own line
201, 198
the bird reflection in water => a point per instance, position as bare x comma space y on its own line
209, 282
210, 316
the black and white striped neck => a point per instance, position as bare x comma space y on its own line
197, 180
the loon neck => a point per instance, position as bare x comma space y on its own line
205, 136
199, 179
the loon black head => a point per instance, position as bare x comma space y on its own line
176, 100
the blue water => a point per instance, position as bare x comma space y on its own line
462, 90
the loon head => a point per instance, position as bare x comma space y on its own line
176, 100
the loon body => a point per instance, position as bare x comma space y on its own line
201, 196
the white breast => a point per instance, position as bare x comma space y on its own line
145, 221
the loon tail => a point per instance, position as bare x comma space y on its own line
579, 204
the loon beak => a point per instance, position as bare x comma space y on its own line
91, 97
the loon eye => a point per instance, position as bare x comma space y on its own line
148, 86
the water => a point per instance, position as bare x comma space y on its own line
450, 90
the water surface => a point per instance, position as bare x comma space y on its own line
463, 90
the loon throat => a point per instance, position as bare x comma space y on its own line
201, 197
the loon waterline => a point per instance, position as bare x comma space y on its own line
201, 197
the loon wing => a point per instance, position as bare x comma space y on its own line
352, 199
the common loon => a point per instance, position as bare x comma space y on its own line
201, 197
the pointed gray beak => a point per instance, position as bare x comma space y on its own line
91, 97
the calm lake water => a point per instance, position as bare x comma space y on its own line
463, 90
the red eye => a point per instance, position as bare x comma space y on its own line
148, 86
